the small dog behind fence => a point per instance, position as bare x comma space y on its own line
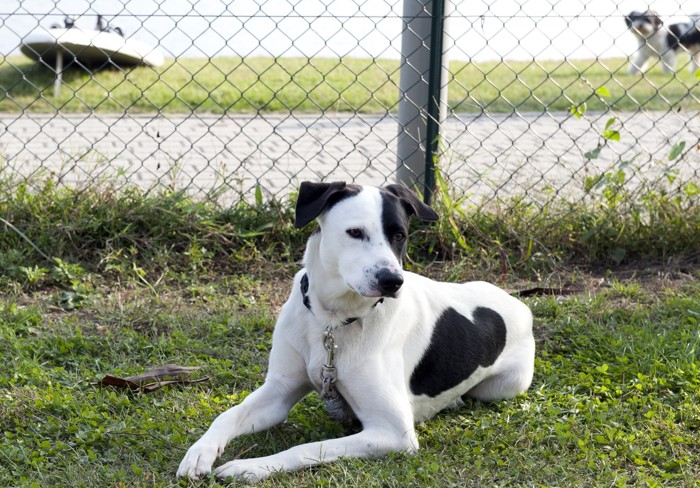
662, 43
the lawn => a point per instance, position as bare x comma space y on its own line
95, 281
251, 85
615, 399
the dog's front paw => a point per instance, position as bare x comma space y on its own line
247, 469
200, 458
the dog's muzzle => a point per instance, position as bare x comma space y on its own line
388, 282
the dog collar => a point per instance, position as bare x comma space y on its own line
307, 301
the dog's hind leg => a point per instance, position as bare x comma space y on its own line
504, 385
513, 378
694, 64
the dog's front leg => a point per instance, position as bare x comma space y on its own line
370, 443
637, 62
265, 407
382, 407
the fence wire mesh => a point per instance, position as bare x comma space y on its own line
541, 99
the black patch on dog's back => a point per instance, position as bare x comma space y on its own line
457, 348
683, 35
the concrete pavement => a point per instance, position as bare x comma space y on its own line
490, 155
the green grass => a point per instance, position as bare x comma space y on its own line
118, 282
338, 85
615, 399
556, 85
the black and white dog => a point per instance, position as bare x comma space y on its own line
382, 346
660, 42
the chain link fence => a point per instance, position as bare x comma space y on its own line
541, 103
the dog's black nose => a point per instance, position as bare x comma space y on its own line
388, 282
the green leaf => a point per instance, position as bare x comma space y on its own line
590, 183
593, 154
618, 177
69, 300
602, 91
691, 189
676, 151
618, 254
625, 163
578, 110
611, 135
258, 196
528, 252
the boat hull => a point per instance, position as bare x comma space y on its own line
89, 47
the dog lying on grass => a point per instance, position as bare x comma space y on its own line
382, 346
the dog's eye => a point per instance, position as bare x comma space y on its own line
399, 236
356, 233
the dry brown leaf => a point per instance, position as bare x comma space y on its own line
155, 378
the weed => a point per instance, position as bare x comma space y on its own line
130, 233
151, 236
633, 217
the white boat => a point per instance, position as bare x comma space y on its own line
89, 47
102, 46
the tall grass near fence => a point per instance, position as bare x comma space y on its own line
110, 229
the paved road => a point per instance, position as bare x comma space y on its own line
490, 154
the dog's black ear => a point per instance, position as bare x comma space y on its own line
314, 198
412, 203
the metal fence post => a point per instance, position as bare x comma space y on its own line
422, 93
